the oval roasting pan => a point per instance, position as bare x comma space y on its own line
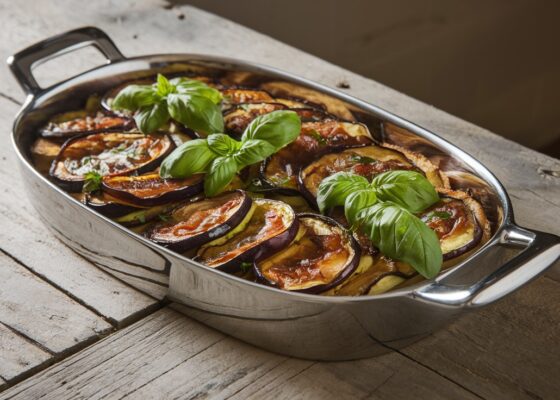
301, 325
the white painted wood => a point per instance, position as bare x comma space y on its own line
17, 355
43, 314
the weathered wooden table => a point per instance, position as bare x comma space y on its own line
67, 329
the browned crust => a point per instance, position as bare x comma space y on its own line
433, 173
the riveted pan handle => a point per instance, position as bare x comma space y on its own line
23, 62
514, 258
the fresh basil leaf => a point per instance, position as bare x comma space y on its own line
253, 151
334, 189
148, 119
409, 189
192, 157
221, 173
92, 182
223, 144
134, 97
196, 112
356, 201
317, 136
398, 234
191, 86
278, 128
164, 87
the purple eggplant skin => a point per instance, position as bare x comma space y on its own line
75, 184
177, 194
263, 249
127, 124
108, 207
271, 187
347, 272
193, 242
469, 246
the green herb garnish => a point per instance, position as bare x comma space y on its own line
92, 182
384, 210
141, 217
221, 157
190, 102
317, 136
245, 266
164, 217
436, 214
363, 159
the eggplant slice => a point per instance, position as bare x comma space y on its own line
108, 205
151, 190
235, 96
367, 161
323, 254
108, 154
370, 272
86, 124
196, 223
459, 222
236, 120
316, 139
272, 226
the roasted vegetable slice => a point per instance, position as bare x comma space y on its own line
272, 226
236, 120
370, 272
200, 222
459, 222
235, 96
85, 124
107, 205
367, 161
322, 255
150, 189
43, 152
107, 154
316, 139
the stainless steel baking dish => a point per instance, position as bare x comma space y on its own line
307, 326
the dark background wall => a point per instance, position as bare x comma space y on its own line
495, 63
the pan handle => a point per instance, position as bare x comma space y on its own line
514, 258
23, 62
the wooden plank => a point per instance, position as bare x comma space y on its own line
43, 314
21, 228
506, 351
166, 355
18, 355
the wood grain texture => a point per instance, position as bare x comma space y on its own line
22, 229
166, 355
18, 355
43, 314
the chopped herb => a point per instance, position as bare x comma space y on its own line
363, 159
436, 214
164, 217
245, 266
317, 136
245, 107
142, 217
92, 182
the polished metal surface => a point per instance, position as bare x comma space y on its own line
307, 326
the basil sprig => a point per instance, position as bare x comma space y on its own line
190, 102
384, 210
221, 157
